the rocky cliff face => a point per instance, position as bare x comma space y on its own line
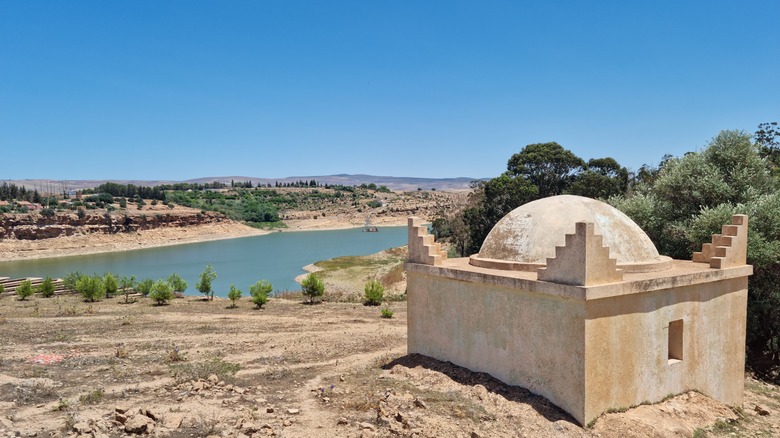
36, 227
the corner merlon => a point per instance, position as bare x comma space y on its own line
728, 249
584, 261
422, 247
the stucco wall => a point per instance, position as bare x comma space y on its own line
522, 338
627, 345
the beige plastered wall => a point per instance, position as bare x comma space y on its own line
520, 337
627, 338
586, 349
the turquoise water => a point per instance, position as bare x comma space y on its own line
277, 257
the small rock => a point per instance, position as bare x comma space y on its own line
213, 379
367, 426
155, 416
82, 428
269, 410
286, 423
138, 424
120, 418
761, 411
420, 404
293, 411
475, 435
342, 421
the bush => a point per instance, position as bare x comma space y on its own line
91, 288
144, 287
204, 285
47, 212
2, 289
386, 313
109, 280
312, 287
126, 284
234, 294
259, 292
162, 292
177, 283
71, 279
24, 290
374, 292
47, 288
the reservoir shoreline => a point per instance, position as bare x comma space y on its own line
78, 245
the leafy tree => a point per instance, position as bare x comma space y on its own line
24, 290
206, 278
178, 283
693, 196
110, 282
91, 288
548, 166
312, 287
126, 284
47, 288
234, 294
161, 292
70, 280
490, 202
602, 178
144, 287
259, 292
374, 293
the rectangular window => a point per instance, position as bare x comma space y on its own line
675, 341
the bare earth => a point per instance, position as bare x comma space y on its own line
109, 369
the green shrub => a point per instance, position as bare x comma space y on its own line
144, 287
374, 293
24, 290
177, 283
91, 288
2, 289
312, 287
186, 372
71, 279
259, 292
47, 288
162, 292
386, 313
204, 285
234, 294
109, 280
126, 284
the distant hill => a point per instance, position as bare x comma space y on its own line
392, 182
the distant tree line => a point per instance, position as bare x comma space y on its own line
12, 192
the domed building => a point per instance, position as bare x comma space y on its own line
570, 299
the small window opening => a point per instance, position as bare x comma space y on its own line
676, 341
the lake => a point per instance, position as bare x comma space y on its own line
276, 257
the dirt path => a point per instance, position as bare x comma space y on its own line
197, 368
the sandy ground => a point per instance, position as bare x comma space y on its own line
201, 369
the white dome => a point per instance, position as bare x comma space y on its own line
528, 235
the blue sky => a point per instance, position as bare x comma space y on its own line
187, 89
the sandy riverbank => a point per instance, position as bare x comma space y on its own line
14, 250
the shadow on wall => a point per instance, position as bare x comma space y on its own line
466, 377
